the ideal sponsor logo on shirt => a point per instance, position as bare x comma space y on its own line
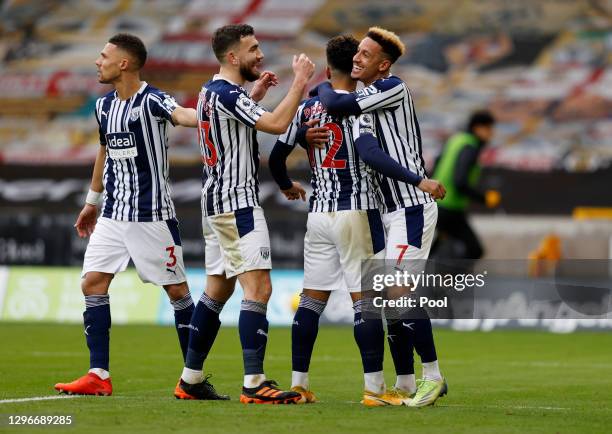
120, 140
121, 145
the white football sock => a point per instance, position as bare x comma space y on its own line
299, 379
374, 382
406, 382
102, 373
255, 380
431, 371
191, 376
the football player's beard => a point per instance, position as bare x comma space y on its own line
247, 72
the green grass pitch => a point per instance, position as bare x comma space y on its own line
499, 382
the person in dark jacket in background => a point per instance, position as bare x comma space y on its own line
458, 170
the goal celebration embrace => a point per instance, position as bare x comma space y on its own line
371, 193
306, 217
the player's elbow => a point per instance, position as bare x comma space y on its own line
277, 129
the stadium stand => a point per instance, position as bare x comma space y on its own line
543, 69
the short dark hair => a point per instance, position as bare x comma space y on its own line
227, 36
480, 117
340, 51
133, 45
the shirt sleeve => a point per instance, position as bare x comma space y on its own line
238, 105
162, 105
363, 124
289, 137
100, 132
278, 165
373, 155
383, 93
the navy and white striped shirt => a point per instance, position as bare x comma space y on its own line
397, 129
134, 131
228, 143
340, 180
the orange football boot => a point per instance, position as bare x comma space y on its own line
89, 384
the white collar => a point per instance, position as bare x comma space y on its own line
220, 77
143, 86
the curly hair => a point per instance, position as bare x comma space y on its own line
340, 51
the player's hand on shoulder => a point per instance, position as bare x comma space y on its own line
303, 67
295, 192
316, 136
433, 187
86, 221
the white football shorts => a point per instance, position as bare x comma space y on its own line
155, 249
410, 233
336, 243
236, 242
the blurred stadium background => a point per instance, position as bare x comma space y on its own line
542, 67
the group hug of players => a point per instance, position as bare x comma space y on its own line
371, 199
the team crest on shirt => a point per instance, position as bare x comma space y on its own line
134, 114
265, 253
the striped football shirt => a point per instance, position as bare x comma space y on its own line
228, 144
389, 102
339, 179
135, 177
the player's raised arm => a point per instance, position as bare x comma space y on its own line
277, 121
383, 93
338, 104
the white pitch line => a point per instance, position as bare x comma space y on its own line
38, 398
506, 407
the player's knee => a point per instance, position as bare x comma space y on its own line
263, 293
257, 285
317, 294
177, 291
95, 283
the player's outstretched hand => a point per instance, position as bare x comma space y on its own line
86, 222
295, 192
316, 136
303, 67
433, 187
266, 80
